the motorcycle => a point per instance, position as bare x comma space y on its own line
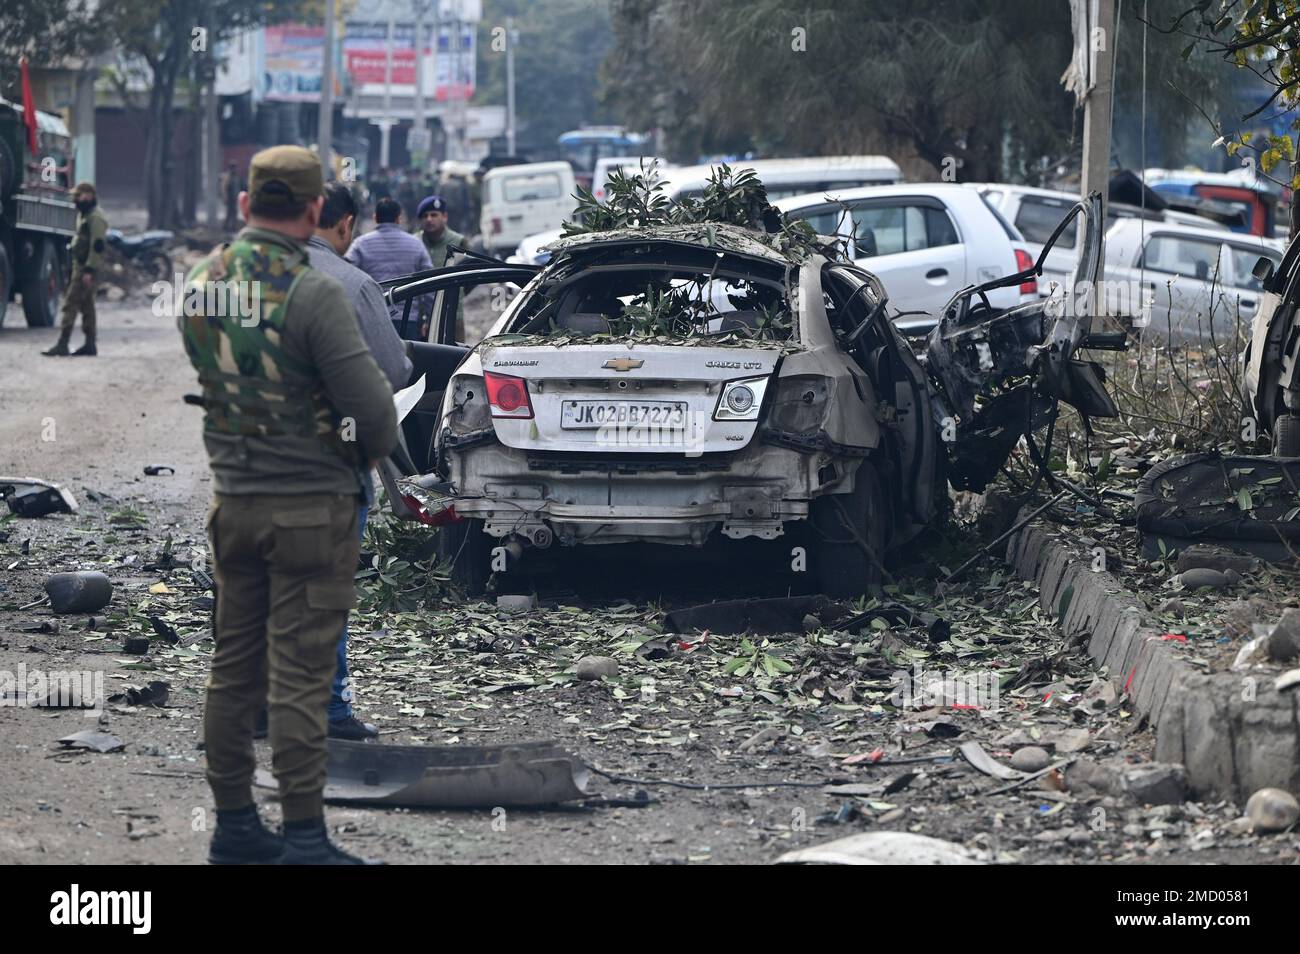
146, 252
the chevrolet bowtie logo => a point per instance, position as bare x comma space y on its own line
623, 364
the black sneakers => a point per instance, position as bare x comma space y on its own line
86, 350
240, 839
307, 843
352, 729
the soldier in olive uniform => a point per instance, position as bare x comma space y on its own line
297, 410
87, 260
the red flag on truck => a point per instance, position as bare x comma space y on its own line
29, 108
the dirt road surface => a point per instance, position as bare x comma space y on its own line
457, 673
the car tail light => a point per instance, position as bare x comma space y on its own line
496, 226
740, 400
507, 395
1024, 262
440, 519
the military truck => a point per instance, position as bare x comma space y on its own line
37, 220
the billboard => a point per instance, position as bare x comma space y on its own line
365, 57
292, 60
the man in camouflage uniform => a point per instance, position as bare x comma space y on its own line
87, 260
297, 410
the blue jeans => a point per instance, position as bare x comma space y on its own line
341, 692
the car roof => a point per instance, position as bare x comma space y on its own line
1194, 231
774, 171
932, 189
526, 168
729, 238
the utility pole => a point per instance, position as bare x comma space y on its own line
511, 35
211, 139
386, 124
416, 140
325, 121
1095, 45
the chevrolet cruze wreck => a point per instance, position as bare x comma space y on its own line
674, 382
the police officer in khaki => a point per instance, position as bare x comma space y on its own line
87, 259
296, 410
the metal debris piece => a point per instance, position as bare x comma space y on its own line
81, 592
154, 694
980, 760
521, 775
936, 627
93, 741
33, 497
154, 470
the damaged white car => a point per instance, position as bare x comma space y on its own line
674, 383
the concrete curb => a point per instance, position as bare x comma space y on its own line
1233, 732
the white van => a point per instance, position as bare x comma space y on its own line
523, 200
786, 177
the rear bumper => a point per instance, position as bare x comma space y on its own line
618, 498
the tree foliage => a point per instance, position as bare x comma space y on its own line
1262, 36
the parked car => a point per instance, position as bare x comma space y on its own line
1255, 196
781, 177
925, 241
676, 384
523, 200
785, 177
1036, 212
629, 165
1195, 280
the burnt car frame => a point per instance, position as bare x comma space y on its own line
765, 391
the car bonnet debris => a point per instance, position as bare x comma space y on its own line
33, 497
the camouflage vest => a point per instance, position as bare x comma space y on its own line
232, 321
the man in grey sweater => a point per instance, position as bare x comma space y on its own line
325, 250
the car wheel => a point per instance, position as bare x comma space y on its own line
6, 283
1286, 436
841, 525
42, 286
469, 551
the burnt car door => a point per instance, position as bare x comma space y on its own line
436, 358
1000, 373
1271, 382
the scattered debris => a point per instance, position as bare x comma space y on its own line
1201, 557
758, 616
1288, 680
1157, 783
882, 848
1031, 758
82, 591
92, 741
516, 604
1284, 639
974, 753
1271, 809
1197, 578
154, 470
154, 694
591, 668
164, 629
523, 774
136, 645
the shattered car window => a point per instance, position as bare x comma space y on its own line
624, 297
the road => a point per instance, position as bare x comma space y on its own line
457, 673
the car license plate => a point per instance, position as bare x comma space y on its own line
592, 415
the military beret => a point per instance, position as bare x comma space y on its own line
285, 176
